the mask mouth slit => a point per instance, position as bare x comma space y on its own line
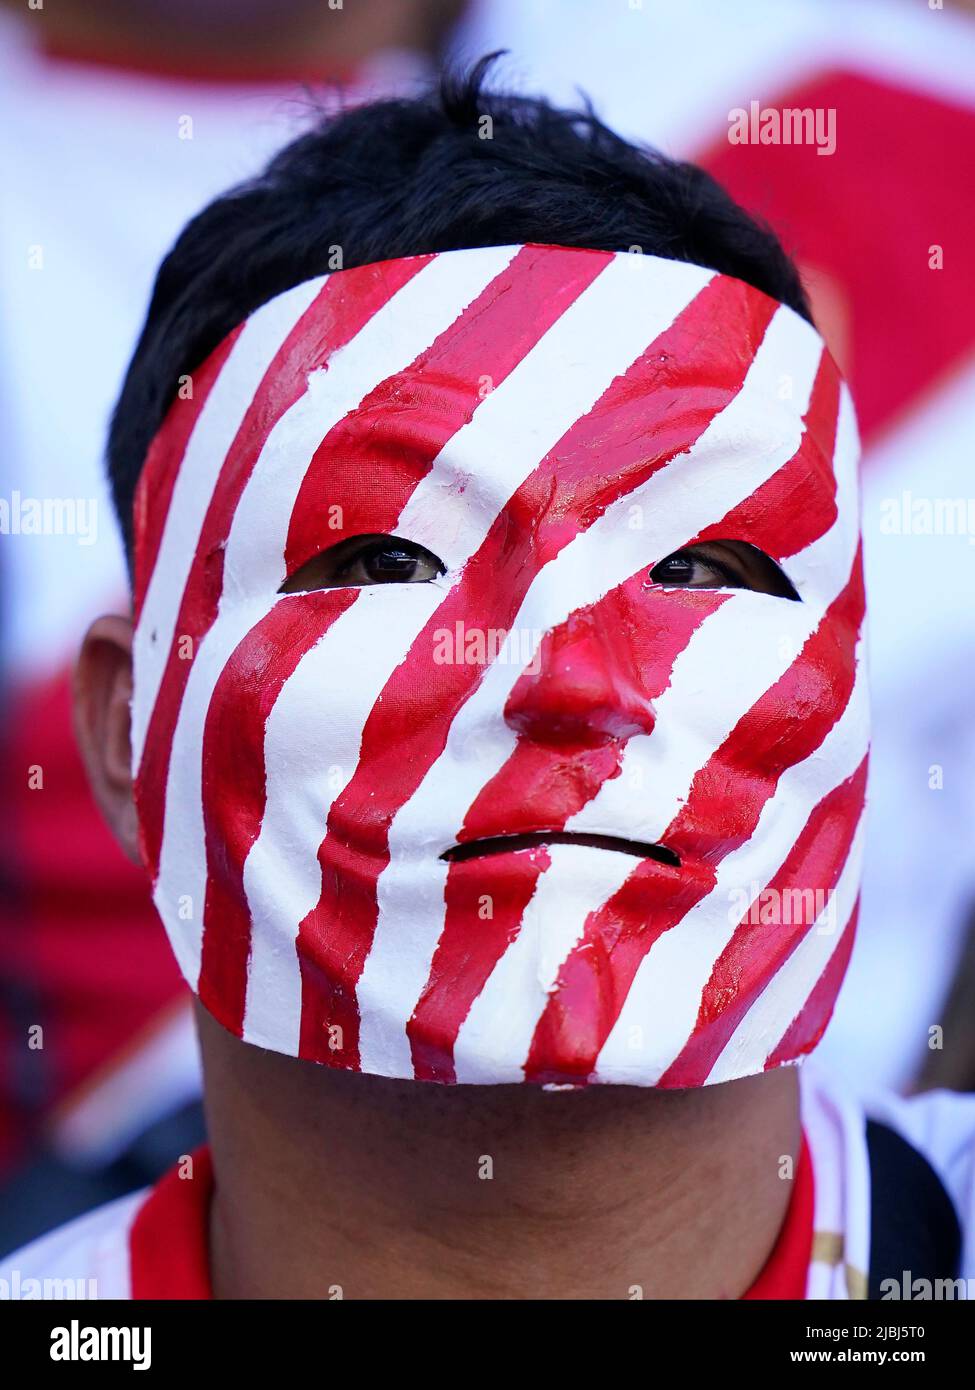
502, 844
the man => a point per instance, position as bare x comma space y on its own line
493, 731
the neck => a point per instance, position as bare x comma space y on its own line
397, 1189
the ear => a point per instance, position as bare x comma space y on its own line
102, 721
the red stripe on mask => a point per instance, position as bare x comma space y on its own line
809, 1025
164, 458
797, 504
756, 951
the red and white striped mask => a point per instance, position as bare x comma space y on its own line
550, 424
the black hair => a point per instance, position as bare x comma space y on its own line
462, 166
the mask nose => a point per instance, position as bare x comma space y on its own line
585, 690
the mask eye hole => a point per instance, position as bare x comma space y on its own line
723, 565
365, 560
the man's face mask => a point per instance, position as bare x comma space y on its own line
497, 711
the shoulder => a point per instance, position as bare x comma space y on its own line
890, 1169
939, 1125
86, 1258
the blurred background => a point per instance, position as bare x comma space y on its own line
119, 119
